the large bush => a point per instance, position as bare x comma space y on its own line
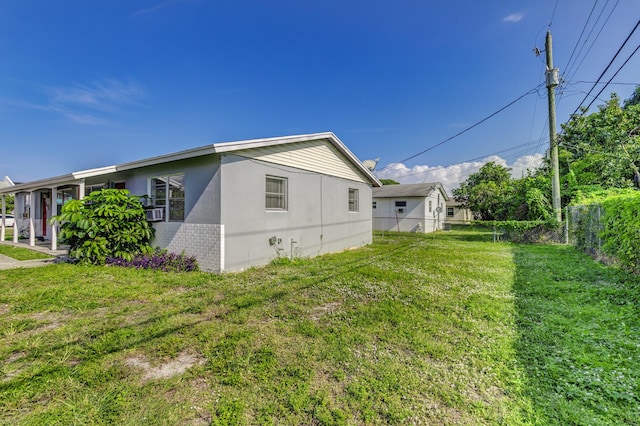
106, 223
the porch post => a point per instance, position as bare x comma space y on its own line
81, 190
54, 224
32, 227
15, 217
4, 218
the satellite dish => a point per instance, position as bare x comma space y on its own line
371, 164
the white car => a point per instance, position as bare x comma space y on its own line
8, 220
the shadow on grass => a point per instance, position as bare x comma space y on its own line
578, 328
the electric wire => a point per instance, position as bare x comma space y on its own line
534, 90
482, 157
586, 54
606, 69
613, 76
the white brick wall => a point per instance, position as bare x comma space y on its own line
203, 241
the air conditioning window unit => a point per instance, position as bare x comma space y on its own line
155, 215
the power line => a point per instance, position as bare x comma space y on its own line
608, 66
586, 54
520, 153
614, 75
534, 90
584, 27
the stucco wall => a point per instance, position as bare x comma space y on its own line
317, 219
415, 217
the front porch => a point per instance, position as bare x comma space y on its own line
33, 211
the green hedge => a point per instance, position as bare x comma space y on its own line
520, 231
620, 226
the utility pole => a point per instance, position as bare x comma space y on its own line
552, 82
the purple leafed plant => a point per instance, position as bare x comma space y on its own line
160, 260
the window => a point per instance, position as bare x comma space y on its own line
353, 200
276, 193
374, 204
401, 204
430, 205
449, 211
88, 189
168, 192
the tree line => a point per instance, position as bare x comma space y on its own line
597, 151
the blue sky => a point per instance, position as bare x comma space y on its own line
87, 84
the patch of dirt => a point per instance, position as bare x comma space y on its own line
320, 311
4, 308
175, 367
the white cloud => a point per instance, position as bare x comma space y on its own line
514, 17
451, 176
92, 103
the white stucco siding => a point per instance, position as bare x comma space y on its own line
317, 219
414, 217
317, 156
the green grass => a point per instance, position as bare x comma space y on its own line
20, 253
409, 330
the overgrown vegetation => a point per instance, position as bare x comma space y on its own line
505, 334
492, 195
613, 221
106, 223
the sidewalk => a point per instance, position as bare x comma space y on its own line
7, 262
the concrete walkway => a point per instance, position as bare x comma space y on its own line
7, 262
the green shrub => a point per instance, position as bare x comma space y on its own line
106, 223
608, 221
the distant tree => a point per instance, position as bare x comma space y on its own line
634, 99
485, 192
491, 194
602, 148
389, 182
8, 203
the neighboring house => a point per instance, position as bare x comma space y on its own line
6, 182
456, 214
231, 205
417, 207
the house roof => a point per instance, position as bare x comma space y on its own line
216, 148
409, 190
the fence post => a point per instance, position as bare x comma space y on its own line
566, 226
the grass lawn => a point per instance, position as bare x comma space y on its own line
409, 330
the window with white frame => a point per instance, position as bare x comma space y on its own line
374, 204
276, 197
168, 192
450, 212
353, 200
430, 205
88, 189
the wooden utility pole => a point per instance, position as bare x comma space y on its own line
552, 82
